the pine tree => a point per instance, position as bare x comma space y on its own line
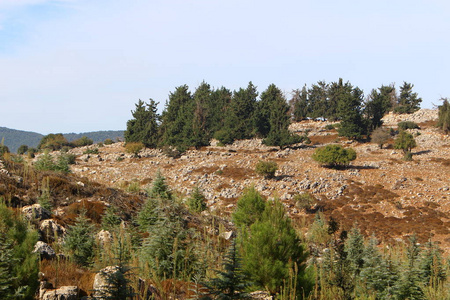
349, 101
409, 285
79, 241
354, 247
444, 116
299, 104
406, 142
249, 208
271, 248
111, 220
201, 126
18, 264
230, 283
144, 125
317, 99
197, 201
176, 125
408, 102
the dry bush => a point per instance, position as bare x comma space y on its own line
63, 272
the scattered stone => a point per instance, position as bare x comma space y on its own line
44, 250
36, 212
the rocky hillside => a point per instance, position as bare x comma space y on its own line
386, 195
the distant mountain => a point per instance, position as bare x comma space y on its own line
96, 136
15, 138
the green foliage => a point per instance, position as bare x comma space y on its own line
380, 136
249, 208
334, 155
18, 265
134, 148
231, 283
197, 201
79, 241
91, 151
378, 104
406, 142
299, 104
407, 125
46, 162
45, 199
53, 142
271, 248
239, 117
108, 142
3, 149
266, 168
159, 188
444, 115
83, 141
304, 200
111, 219
408, 102
22, 149
144, 126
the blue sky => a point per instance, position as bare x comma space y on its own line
81, 65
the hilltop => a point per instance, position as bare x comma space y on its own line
13, 138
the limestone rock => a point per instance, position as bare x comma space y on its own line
51, 230
44, 250
63, 293
36, 212
101, 285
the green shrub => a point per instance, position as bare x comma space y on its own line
304, 200
172, 152
53, 142
329, 127
134, 148
249, 208
83, 141
406, 142
22, 149
444, 115
224, 136
197, 201
334, 155
46, 163
108, 142
407, 125
91, 151
266, 168
3, 149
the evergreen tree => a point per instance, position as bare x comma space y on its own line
176, 125
79, 241
349, 101
406, 142
354, 247
299, 104
432, 271
408, 101
278, 119
444, 116
409, 285
219, 105
374, 110
230, 283
239, 122
201, 123
317, 99
378, 277
111, 219
144, 125
249, 208
271, 248
18, 264
197, 201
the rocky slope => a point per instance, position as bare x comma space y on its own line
384, 194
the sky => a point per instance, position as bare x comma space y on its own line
81, 65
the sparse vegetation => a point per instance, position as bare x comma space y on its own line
407, 125
134, 148
444, 116
380, 136
406, 142
266, 169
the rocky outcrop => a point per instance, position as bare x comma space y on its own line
62, 293
44, 250
102, 282
36, 212
51, 230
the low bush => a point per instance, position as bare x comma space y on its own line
407, 125
83, 141
334, 156
91, 151
304, 200
134, 148
197, 201
266, 168
108, 142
